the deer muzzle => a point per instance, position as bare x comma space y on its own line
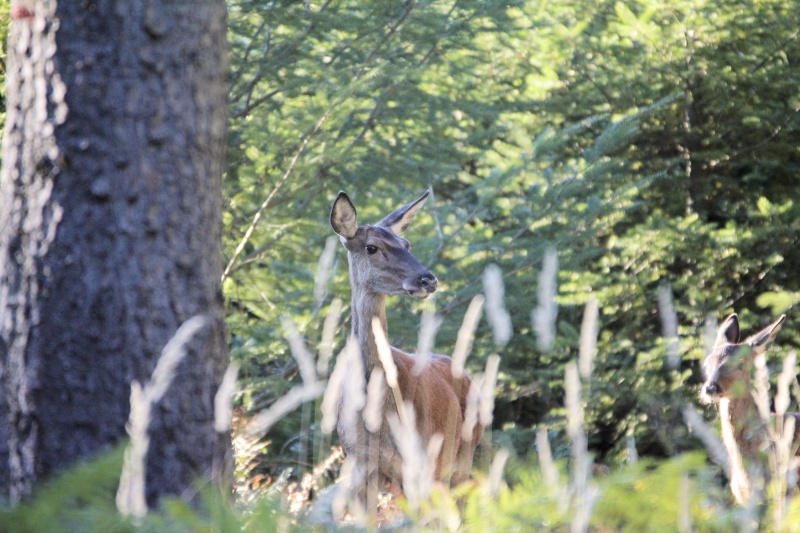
421, 286
711, 392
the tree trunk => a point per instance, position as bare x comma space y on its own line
110, 233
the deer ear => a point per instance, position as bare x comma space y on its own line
764, 338
343, 216
399, 220
728, 332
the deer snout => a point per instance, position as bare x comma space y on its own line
421, 286
712, 389
711, 392
428, 282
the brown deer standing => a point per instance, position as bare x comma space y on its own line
380, 265
727, 370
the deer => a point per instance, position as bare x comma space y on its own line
727, 369
380, 264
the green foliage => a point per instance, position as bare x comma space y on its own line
647, 496
657, 496
83, 499
80, 499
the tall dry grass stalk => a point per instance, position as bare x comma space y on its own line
429, 325
757, 474
223, 400
419, 461
684, 509
545, 314
461, 350
709, 333
761, 387
297, 396
496, 312
330, 399
785, 379
783, 463
389, 367
385, 353
472, 410
547, 465
669, 325
373, 420
301, 354
324, 270
488, 385
466, 334
376, 394
716, 450
130, 497
352, 398
632, 454
328, 336
351, 475
588, 342
496, 471
583, 495
171, 356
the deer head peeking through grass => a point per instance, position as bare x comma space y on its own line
728, 368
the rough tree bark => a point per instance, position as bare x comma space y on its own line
110, 232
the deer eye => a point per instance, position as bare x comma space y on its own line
371, 249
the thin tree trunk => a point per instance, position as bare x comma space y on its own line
110, 233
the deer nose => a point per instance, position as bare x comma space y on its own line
428, 282
712, 389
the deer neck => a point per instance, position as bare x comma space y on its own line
741, 425
365, 306
742, 437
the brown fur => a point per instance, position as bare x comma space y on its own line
440, 401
